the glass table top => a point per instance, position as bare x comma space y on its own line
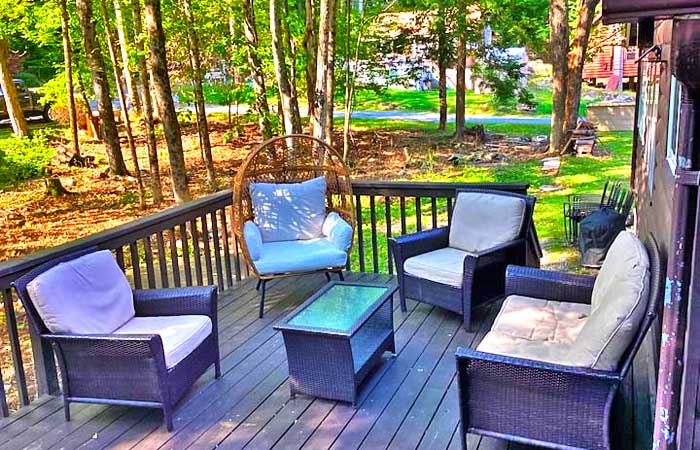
339, 307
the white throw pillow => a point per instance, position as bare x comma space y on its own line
86, 295
289, 212
481, 221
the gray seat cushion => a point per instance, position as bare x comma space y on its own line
535, 329
481, 221
86, 295
444, 266
299, 256
181, 335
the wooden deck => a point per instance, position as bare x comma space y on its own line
409, 402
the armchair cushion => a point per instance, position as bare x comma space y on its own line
535, 329
253, 239
288, 212
181, 335
481, 221
86, 295
444, 266
618, 306
299, 256
338, 231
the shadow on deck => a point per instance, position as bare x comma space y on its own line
409, 402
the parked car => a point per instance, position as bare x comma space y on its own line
29, 101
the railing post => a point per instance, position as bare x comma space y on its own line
44, 366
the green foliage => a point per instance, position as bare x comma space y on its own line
30, 80
503, 76
23, 158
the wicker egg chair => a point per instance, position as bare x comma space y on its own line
291, 159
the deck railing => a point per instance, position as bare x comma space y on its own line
192, 244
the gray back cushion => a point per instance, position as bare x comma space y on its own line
86, 295
619, 302
482, 220
289, 212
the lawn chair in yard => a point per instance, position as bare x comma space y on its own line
462, 265
116, 346
548, 371
293, 210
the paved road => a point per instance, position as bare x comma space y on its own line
405, 116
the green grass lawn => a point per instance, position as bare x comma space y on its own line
428, 101
577, 175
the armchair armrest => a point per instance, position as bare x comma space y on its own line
409, 245
338, 231
549, 285
510, 252
535, 400
111, 366
196, 300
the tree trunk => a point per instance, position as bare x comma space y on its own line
348, 81
291, 47
311, 50
460, 94
322, 119
100, 85
68, 65
126, 40
251, 36
442, 66
164, 97
558, 52
14, 109
577, 57
290, 107
112, 48
196, 66
147, 101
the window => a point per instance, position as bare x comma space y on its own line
674, 112
647, 116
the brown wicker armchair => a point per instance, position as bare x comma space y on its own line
292, 159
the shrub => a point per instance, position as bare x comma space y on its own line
23, 158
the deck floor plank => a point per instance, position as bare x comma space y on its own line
408, 402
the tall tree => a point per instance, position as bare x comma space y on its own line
113, 55
443, 55
460, 93
251, 36
288, 99
577, 58
147, 101
68, 65
196, 68
558, 52
164, 96
125, 43
14, 109
96, 63
311, 49
322, 118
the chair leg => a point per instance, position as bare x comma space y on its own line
257, 286
217, 368
328, 276
341, 276
66, 410
262, 297
168, 417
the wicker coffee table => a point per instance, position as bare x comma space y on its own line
336, 336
